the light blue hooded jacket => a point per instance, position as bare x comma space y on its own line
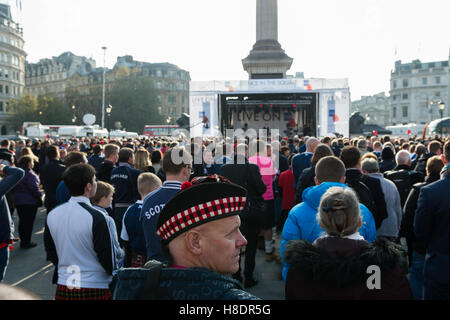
302, 223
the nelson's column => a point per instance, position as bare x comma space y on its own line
267, 60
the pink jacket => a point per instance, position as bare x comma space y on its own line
267, 170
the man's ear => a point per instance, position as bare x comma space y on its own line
443, 159
192, 242
316, 181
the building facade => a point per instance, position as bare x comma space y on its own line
77, 80
12, 64
417, 88
50, 76
170, 82
375, 109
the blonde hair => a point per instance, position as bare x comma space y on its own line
339, 213
369, 155
148, 182
103, 190
142, 160
27, 152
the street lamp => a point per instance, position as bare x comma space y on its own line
441, 111
103, 92
74, 119
108, 112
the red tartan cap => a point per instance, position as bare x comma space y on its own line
197, 205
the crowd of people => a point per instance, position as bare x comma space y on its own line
188, 211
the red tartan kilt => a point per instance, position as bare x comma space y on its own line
64, 293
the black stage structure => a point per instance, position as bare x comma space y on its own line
290, 113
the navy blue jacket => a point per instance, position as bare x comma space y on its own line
133, 228
151, 209
432, 229
96, 161
124, 179
14, 175
50, 176
299, 163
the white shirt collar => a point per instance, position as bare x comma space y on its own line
355, 236
81, 199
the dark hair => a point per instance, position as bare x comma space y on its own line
77, 177
322, 150
350, 156
52, 152
24, 161
330, 169
172, 157
4, 143
74, 157
97, 149
434, 146
156, 156
447, 151
125, 154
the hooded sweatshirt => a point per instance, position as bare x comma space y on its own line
302, 223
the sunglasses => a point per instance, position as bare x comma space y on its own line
209, 179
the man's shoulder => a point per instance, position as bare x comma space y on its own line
439, 185
158, 195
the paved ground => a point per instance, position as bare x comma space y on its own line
28, 269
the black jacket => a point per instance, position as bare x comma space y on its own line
386, 165
337, 268
404, 178
305, 181
409, 212
283, 163
237, 173
50, 176
104, 171
372, 197
422, 163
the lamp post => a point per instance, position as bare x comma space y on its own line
441, 111
74, 119
103, 92
108, 112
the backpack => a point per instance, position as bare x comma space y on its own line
363, 193
402, 180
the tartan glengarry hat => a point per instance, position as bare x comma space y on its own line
197, 205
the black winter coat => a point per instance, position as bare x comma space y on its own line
337, 268
373, 199
237, 173
409, 212
50, 176
305, 181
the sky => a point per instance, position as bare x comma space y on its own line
358, 40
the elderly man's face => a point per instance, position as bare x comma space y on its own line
221, 245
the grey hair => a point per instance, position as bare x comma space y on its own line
362, 144
312, 143
339, 212
370, 165
402, 157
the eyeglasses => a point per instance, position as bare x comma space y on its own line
209, 179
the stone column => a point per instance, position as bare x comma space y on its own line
267, 60
266, 20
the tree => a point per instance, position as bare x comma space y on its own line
134, 102
45, 109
